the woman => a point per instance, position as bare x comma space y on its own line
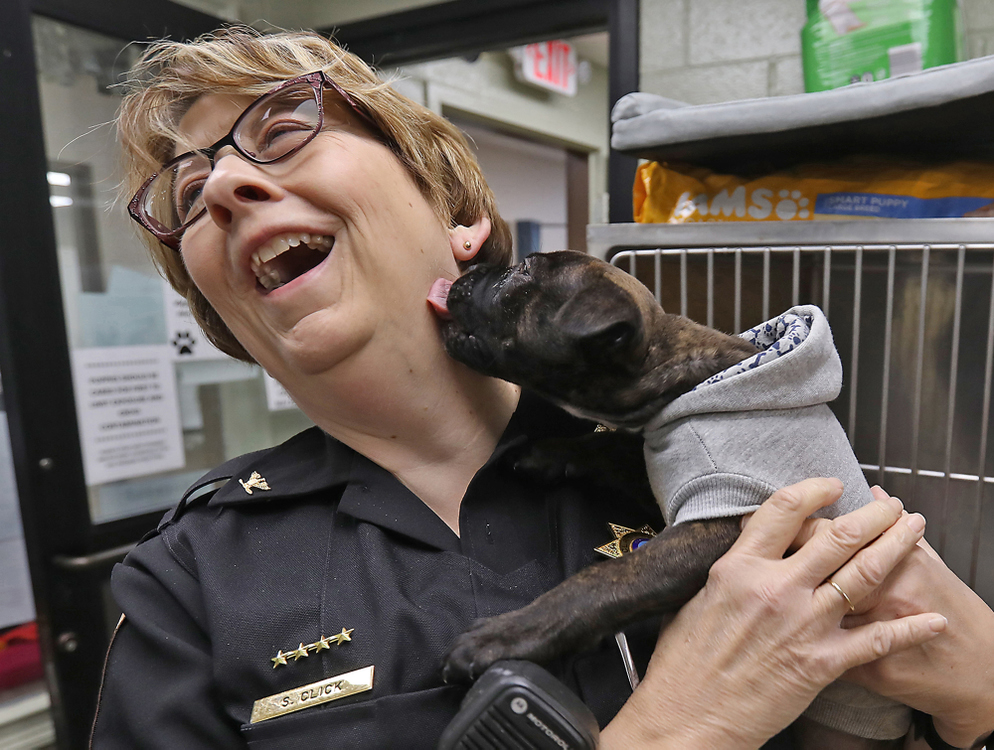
330, 574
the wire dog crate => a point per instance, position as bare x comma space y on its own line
911, 304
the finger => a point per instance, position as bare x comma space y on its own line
813, 525
772, 528
838, 541
928, 549
878, 492
809, 528
869, 567
878, 639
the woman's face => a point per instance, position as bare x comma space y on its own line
375, 245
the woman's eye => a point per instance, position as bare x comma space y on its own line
279, 130
187, 195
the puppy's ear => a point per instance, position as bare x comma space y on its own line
604, 326
615, 338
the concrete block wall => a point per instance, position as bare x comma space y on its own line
978, 21
703, 51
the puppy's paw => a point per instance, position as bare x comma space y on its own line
467, 660
488, 641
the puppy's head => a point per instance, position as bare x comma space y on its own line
564, 324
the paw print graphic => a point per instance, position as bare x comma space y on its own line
792, 204
184, 343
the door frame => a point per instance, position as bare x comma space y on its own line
467, 27
68, 556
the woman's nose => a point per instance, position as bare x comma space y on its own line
236, 186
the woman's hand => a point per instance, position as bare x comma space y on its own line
950, 677
747, 655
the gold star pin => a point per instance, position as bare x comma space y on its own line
345, 635
255, 482
625, 540
322, 643
301, 652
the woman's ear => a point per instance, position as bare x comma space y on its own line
467, 241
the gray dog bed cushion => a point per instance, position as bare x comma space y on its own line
944, 112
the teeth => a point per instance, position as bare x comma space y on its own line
269, 278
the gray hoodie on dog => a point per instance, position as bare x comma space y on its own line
726, 446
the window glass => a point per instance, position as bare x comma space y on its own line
157, 406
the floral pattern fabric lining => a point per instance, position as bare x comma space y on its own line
775, 338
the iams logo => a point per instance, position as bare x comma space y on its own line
761, 204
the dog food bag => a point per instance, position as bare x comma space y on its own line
849, 41
864, 188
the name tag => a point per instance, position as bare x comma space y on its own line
315, 694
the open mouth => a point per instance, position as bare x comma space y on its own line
288, 256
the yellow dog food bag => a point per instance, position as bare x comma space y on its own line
863, 188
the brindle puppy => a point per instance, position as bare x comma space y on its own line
593, 339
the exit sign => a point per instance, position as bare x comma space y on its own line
550, 65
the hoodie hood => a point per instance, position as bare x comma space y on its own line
797, 366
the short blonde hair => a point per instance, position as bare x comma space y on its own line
170, 76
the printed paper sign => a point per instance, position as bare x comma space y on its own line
185, 338
277, 399
128, 412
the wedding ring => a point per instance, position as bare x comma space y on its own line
837, 587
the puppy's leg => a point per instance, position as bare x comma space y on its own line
599, 600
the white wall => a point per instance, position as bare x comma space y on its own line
529, 180
486, 91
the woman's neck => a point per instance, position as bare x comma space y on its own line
431, 424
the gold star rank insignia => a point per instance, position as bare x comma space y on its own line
255, 482
302, 651
345, 635
626, 540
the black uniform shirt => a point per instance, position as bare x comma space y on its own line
231, 581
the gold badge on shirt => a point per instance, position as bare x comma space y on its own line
625, 540
315, 694
255, 482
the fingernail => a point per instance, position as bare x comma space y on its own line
900, 505
916, 522
938, 624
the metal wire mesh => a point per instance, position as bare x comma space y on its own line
914, 325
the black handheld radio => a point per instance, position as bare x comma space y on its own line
517, 705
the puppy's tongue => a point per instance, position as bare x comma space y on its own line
438, 296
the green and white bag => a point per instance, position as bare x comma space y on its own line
848, 41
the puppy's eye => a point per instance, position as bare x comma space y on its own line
505, 277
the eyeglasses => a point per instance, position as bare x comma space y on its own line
275, 126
